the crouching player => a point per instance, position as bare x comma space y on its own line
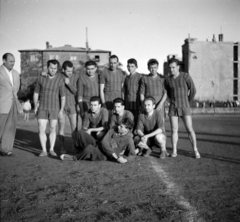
150, 130
115, 144
94, 128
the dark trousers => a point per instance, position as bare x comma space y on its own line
87, 147
8, 125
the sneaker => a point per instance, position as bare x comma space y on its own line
164, 154
142, 145
173, 155
136, 151
147, 153
197, 155
43, 154
66, 157
121, 160
52, 153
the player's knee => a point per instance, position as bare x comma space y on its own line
52, 129
160, 138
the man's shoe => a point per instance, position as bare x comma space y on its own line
147, 153
8, 154
164, 154
121, 159
66, 157
43, 154
173, 155
52, 153
197, 155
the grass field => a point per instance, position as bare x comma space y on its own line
147, 189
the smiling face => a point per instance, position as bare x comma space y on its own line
113, 64
9, 62
68, 71
91, 70
52, 69
95, 106
149, 106
174, 69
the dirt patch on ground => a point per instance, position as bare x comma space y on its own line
182, 189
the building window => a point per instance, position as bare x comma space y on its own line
97, 58
33, 58
235, 87
73, 58
235, 70
53, 57
235, 53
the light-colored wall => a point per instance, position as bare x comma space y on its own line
103, 57
211, 67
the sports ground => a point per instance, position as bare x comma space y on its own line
147, 189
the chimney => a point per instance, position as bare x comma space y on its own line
47, 45
220, 37
213, 39
87, 46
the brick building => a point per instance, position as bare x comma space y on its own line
34, 61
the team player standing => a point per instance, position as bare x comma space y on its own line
121, 116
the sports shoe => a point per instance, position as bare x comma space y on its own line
142, 145
52, 153
197, 155
164, 154
173, 155
121, 160
147, 153
66, 157
43, 154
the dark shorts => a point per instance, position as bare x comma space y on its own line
70, 110
180, 112
47, 114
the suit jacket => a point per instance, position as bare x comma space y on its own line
7, 91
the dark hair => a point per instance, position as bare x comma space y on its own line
113, 57
90, 63
172, 60
67, 64
128, 123
152, 62
150, 98
118, 100
5, 56
132, 61
95, 99
53, 61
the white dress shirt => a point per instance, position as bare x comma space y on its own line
9, 74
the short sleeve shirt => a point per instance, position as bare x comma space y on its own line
49, 90
88, 87
100, 120
112, 80
148, 124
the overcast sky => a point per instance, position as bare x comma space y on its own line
140, 29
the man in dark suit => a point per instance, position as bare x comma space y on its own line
9, 104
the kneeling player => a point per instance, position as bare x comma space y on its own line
150, 130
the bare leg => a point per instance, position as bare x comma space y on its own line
191, 134
73, 121
61, 121
42, 124
52, 136
174, 129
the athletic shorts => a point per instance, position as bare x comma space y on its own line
47, 114
179, 112
150, 141
70, 110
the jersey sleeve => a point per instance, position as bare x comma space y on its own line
62, 88
191, 87
80, 88
102, 79
37, 87
142, 86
